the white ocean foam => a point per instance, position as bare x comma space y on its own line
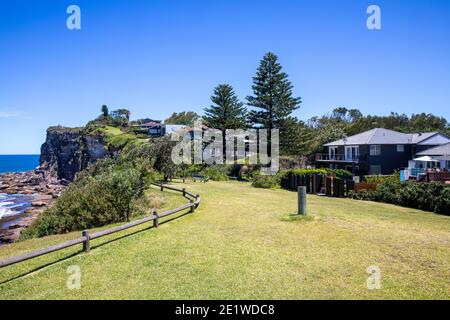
11, 205
4, 212
5, 204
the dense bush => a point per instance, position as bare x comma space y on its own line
442, 203
381, 179
366, 195
340, 173
432, 196
266, 181
420, 195
388, 191
216, 173
93, 200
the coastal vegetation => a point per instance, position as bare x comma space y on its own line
244, 242
186, 118
111, 191
434, 196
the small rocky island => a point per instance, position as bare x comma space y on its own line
65, 152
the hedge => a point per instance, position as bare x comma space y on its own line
434, 196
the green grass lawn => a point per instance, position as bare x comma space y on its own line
116, 137
243, 243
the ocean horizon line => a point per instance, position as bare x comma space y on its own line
20, 154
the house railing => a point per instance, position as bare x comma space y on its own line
338, 157
86, 237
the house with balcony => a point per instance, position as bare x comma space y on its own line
377, 151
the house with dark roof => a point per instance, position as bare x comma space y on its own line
377, 151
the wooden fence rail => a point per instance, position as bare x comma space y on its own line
86, 237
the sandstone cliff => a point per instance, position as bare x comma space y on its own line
67, 151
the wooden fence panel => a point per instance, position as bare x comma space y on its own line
341, 188
335, 187
328, 186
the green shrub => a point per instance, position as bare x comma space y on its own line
266, 181
340, 173
216, 173
366, 195
395, 177
424, 196
388, 191
442, 203
434, 196
375, 179
97, 197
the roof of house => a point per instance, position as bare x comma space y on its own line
442, 150
419, 137
374, 136
383, 136
151, 124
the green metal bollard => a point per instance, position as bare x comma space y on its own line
301, 200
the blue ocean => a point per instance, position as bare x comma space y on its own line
14, 205
18, 162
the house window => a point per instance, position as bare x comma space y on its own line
375, 150
400, 148
375, 170
351, 153
447, 165
332, 153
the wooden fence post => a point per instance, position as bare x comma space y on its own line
155, 221
301, 200
184, 192
86, 242
162, 187
197, 196
192, 206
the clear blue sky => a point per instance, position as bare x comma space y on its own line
157, 57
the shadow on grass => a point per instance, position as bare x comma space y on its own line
92, 248
297, 218
40, 268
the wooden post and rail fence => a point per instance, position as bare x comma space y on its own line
86, 237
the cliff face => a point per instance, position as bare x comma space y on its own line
67, 151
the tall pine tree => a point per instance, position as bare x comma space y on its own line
272, 97
226, 112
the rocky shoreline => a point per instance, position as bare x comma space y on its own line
66, 152
43, 189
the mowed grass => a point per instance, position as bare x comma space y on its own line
244, 243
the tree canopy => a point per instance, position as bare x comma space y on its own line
226, 112
272, 98
186, 118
